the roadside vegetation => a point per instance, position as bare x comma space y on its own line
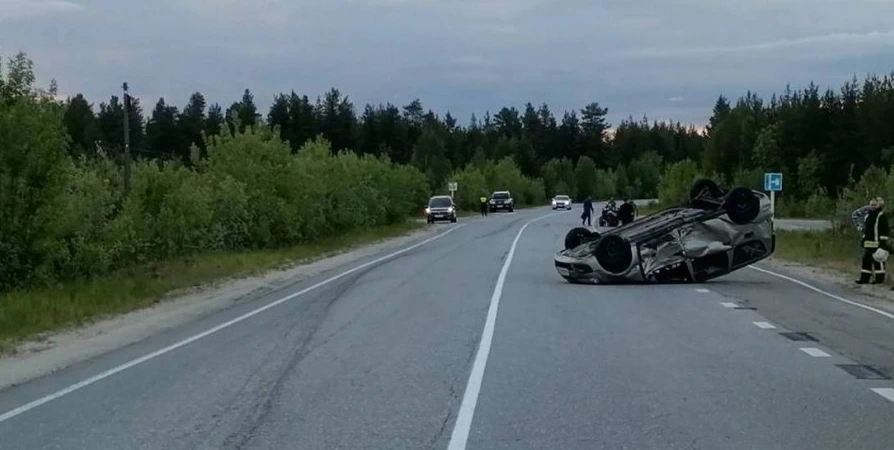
209, 183
25, 313
838, 250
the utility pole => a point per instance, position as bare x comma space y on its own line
126, 142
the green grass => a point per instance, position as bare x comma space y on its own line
829, 249
26, 313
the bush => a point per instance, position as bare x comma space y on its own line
482, 180
69, 219
676, 182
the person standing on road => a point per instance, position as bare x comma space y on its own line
483, 200
586, 216
875, 245
626, 212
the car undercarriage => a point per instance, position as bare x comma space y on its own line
715, 233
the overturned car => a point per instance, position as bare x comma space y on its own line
715, 233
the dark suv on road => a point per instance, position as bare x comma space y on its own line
441, 207
501, 200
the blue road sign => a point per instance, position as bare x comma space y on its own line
773, 182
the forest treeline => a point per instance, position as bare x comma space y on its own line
211, 178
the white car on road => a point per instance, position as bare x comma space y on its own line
562, 202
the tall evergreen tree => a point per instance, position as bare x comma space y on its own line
80, 122
191, 124
429, 156
162, 131
215, 120
110, 125
278, 117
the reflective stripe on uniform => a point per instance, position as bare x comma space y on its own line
870, 244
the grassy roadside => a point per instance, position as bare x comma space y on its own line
828, 249
24, 314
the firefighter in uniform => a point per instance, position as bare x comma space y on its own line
483, 201
875, 245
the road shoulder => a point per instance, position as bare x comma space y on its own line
51, 352
881, 297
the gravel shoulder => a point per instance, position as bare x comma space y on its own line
54, 351
877, 296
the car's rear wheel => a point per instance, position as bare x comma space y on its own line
705, 187
741, 205
613, 254
578, 236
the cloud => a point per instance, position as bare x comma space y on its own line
870, 37
675, 99
20, 9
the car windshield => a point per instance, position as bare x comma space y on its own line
562, 197
501, 195
439, 202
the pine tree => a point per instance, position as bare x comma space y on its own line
429, 156
278, 117
80, 122
191, 123
162, 131
248, 112
215, 120
302, 120
593, 128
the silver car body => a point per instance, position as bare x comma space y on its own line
679, 244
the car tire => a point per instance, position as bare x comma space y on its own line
578, 236
511, 209
613, 253
453, 219
741, 205
703, 185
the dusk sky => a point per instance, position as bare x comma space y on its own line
667, 59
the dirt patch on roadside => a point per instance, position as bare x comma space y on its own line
54, 351
879, 296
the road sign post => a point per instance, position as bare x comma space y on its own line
451, 186
773, 183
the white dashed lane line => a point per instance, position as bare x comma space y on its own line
815, 352
765, 325
702, 290
729, 305
888, 393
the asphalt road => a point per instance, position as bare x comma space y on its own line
446, 346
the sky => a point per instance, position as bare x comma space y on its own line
665, 59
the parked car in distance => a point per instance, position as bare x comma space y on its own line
441, 207
562, 202
501, 200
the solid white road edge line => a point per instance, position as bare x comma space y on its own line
827, 294
815, 352
463, 424
764, 325
888, 393
27, 407
729, 305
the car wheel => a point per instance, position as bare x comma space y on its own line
613, 254
453, 219
741, 205
511, 209
578, 236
